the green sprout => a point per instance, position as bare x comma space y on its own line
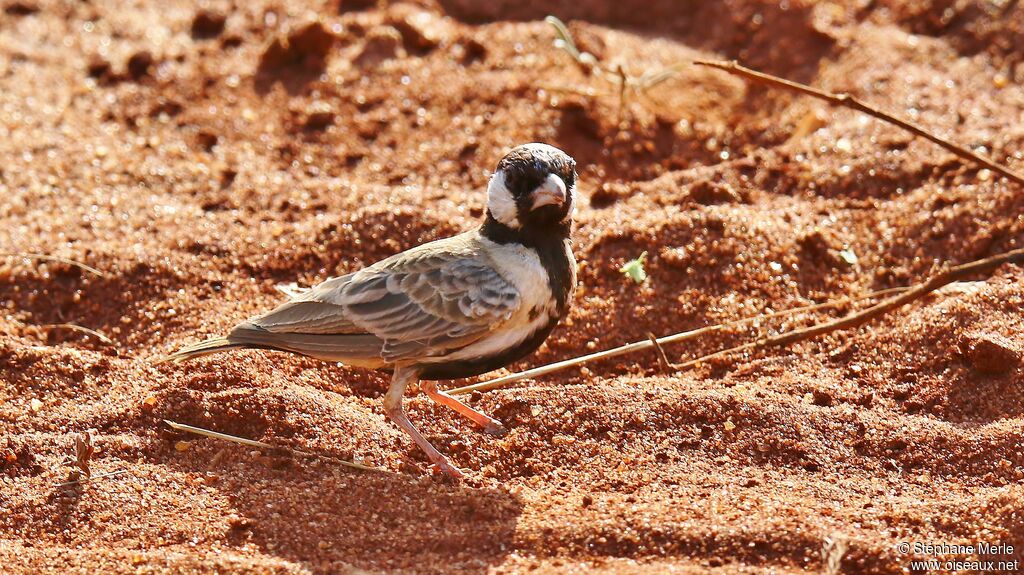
634, 269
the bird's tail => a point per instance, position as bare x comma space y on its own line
207, 347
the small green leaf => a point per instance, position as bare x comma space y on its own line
634, 269
849, 256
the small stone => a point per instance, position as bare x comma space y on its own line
469, 51
563, 440
208, 24
35, 406
318, 116
140, 64
181, 446
990, 353
98, 67
421, 31
355, 5
306, 48
822, 398
21, 8
706, 193
382, 43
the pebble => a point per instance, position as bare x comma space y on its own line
382, 43
990, 353
208, 24
421, 31
140, 64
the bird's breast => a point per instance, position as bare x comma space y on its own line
545, 280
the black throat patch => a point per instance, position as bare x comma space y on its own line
549, 242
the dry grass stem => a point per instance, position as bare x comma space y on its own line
848, 101
617, 75
662, 356
75, 327
856, 319
253, 443
49, 258
647, 344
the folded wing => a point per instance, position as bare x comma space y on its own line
417, 304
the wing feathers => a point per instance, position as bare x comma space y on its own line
433, 298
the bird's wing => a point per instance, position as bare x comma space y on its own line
309, 314
421, 302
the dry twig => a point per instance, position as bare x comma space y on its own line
75, 327
849, 101
853, 320
647, 344
253, 443
616, 75
903, 297
662, 356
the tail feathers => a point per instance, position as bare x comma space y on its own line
359, 350
207, 347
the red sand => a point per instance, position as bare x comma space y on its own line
199, 156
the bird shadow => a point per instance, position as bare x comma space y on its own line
332, 519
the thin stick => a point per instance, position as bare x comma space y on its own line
849, 101
662, 356
253, 443
853, 320
647, 344
49, 258
74, 326
91, 478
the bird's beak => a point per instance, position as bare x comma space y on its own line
551, 192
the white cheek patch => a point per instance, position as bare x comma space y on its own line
500, 201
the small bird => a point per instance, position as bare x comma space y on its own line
448, 309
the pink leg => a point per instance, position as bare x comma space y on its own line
393, 407
489, 424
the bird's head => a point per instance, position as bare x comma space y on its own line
533, 188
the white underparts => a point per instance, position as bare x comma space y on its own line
500, 202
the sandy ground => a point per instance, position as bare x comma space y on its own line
200, 154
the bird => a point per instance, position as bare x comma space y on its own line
453, 308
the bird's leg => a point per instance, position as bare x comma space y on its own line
393, 407
489, 424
